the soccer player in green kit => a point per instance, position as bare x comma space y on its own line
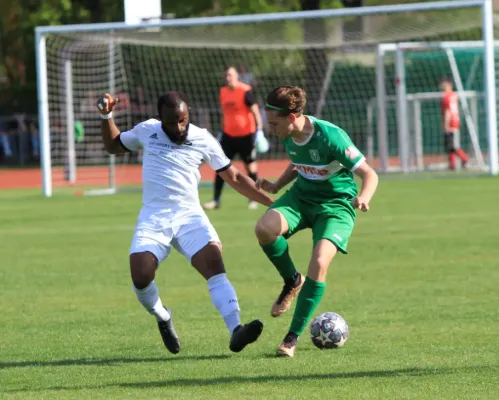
323, 198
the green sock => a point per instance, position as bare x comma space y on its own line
278, 254
309, 298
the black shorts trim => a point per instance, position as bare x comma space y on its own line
449, 142
224, 168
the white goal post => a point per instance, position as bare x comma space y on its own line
418, 159
342, 67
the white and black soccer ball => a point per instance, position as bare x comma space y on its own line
329, 331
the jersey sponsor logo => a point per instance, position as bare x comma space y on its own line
352, 152
153, 136
314, 155
318, 172
309, 171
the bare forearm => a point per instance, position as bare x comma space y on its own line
369, 185
258, 117
246, 186
287, 176
110, 133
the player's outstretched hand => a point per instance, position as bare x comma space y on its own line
106, 104
267, 186
359, 203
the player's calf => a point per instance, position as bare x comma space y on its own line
310, 295
142, 267
208, 262
224, 298
269, 231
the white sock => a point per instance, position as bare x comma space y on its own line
149, 298
224, 298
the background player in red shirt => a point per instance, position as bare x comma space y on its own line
449, 109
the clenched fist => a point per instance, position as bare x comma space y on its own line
106, 104
361, 204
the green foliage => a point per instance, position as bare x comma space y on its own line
18, 19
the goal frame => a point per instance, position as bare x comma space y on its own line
414, 100
486, 7
402, 100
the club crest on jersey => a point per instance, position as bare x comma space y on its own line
352, 152
314, 155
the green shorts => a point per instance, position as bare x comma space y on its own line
332, 219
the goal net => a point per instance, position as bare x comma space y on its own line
422, 66
334, 56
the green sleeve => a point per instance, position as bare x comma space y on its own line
342, 147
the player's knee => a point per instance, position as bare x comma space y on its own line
266, 231
141, 278
142, 269
322, 256
322, 262
318, 268
208, 261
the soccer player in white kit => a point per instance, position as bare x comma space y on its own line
171, 214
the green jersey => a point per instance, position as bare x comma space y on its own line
324, 162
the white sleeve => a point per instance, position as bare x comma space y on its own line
215, 156
130, 139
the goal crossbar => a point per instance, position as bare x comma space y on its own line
270, 17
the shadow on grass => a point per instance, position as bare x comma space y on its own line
108, 361
396, 373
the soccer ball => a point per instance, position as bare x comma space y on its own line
329, 331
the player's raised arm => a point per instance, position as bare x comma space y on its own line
245, 185
109, 131
288, 176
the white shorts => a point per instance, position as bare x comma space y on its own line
152, 235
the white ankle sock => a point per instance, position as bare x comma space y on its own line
224, 298
149, 298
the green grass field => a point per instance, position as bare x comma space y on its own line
419, 290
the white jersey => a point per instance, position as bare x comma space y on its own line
170, 172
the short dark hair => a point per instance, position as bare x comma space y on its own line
172, 100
